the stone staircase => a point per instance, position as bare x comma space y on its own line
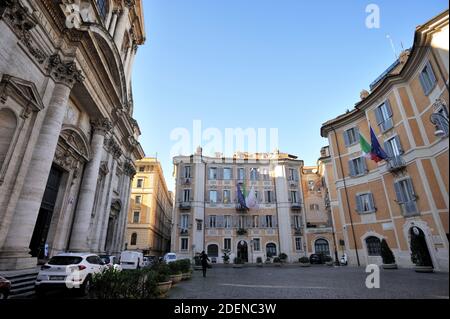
22, 282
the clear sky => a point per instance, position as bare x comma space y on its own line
286, 64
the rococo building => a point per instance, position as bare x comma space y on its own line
68, 141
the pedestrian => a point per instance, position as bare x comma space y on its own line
204, 258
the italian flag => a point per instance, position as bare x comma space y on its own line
365, 147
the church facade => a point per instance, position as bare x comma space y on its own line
68, 141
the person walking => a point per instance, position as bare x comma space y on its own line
204, 258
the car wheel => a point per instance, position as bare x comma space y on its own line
85, 287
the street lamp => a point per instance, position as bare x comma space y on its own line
440, 120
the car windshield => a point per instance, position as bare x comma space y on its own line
105, 259
65, 260
171, 257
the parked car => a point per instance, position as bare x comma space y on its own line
170, 257
344, 260
131, 260
5, 288
317, 259
69, 271
149, 261
111, 262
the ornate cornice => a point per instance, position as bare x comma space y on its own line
63, 71
129, 3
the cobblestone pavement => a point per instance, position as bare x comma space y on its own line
316, 282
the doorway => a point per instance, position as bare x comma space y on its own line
420, 255
321, 246
242, 250
40, 233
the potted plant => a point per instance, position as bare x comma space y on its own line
186, 269
176, 275
388, 256
328, 260
197, 262
226, 256
420, 255
238, 262
277, 261
259, 261
283, 258
162, 278
304, 261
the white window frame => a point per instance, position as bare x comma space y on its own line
184, 224
186, 239
188, 192
138, 215
227, 177
296, 246
212, 221
211, 197
255, 247
213, 173
226, 197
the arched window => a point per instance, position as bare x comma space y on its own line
373, 246
213, 250
322, 247
8, 123
271, 250
103, 8
133, 239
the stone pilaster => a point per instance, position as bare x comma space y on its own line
15, 251
79, 240
122, 23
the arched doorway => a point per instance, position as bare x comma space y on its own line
213, 252
321, 246
242, 250
271, 250
420, 255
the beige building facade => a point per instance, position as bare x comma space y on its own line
407, 194
68, 141
208, 216
150, 214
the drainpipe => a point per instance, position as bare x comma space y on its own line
346, 196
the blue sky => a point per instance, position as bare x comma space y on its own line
286, 64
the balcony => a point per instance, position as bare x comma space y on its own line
185, 206
241, 232
184, 231
241, 209
186, 181
298, 231
395, 164
410, 208
296, 206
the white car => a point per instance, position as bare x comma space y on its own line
131, 260
69, 271
111, 262
170, 257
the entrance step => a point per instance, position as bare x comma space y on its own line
22, 282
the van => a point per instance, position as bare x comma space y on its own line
170, 257
131, 260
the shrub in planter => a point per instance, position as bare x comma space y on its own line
277, 261
328, 260
238, 262
387, 255
283, 257
226, 256
259, 261
304, 262
135, 284
162, 272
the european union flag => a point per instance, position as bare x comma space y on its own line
241, 198
377, 153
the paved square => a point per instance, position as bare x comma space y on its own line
316, 282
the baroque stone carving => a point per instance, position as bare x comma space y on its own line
64, 72
113, 148
21, 21
102, 125
129, 169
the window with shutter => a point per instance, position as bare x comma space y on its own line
351, 136
384, 114
427, 79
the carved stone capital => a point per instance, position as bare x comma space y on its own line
64, 72
113, 148
129, 3
129, 169
101, 126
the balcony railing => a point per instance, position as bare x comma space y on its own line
184, 231
241, 208
298, 231
185, 205
296, 206
395, 164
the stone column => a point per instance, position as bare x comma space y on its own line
15, 251
122, 23
130, 62
113, 23
80, 233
